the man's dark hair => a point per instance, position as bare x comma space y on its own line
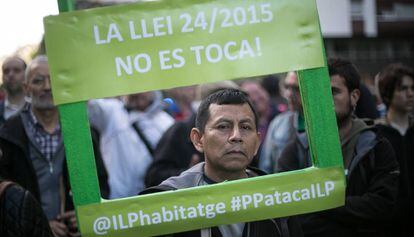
222, 97
346, 70
390, 78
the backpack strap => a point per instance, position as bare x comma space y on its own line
4, 185
143, 138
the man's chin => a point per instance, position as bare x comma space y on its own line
236, 162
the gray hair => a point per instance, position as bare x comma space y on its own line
37, 60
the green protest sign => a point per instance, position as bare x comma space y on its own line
311, 190
164, 44
98, 53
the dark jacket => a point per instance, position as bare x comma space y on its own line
20, 214
2, 108
194, 176
173, 153
372, 187
404, 150
15, 165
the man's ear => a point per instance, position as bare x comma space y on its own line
197, 139
355, 97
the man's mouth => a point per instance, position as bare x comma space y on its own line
236, 152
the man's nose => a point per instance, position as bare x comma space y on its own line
9, 74
47, 85
235, 135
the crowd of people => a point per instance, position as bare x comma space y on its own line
200, 135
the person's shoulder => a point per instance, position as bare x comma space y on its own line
156, 189
281, 120
187, 179
12, 125
285, 115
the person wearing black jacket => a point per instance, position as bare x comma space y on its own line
33, 151
369, 161
396, 86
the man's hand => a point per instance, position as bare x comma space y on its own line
70, 219
58, 228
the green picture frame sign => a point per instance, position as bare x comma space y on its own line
107, 52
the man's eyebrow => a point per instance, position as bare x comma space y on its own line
246, 120
220, 120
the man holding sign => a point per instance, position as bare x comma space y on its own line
226, 132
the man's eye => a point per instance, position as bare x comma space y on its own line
403, 88
246, 127
223, 126
17, 70
37, 81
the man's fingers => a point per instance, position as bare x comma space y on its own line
67, 215
59, 229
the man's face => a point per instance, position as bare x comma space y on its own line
230, 138
13, 75
344, 101
403, 97
292, 93
38, 86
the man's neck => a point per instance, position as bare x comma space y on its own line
220, 176
398, 119
345, 128
48, 118
16, 99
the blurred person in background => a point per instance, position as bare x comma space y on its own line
13, 69
147, 116
396, 86
129, 132
180, 106
33, 152
284, 127
278, 103
371, 168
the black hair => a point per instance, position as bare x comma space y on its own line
347, 70
222, 97
271, 84
390, 78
